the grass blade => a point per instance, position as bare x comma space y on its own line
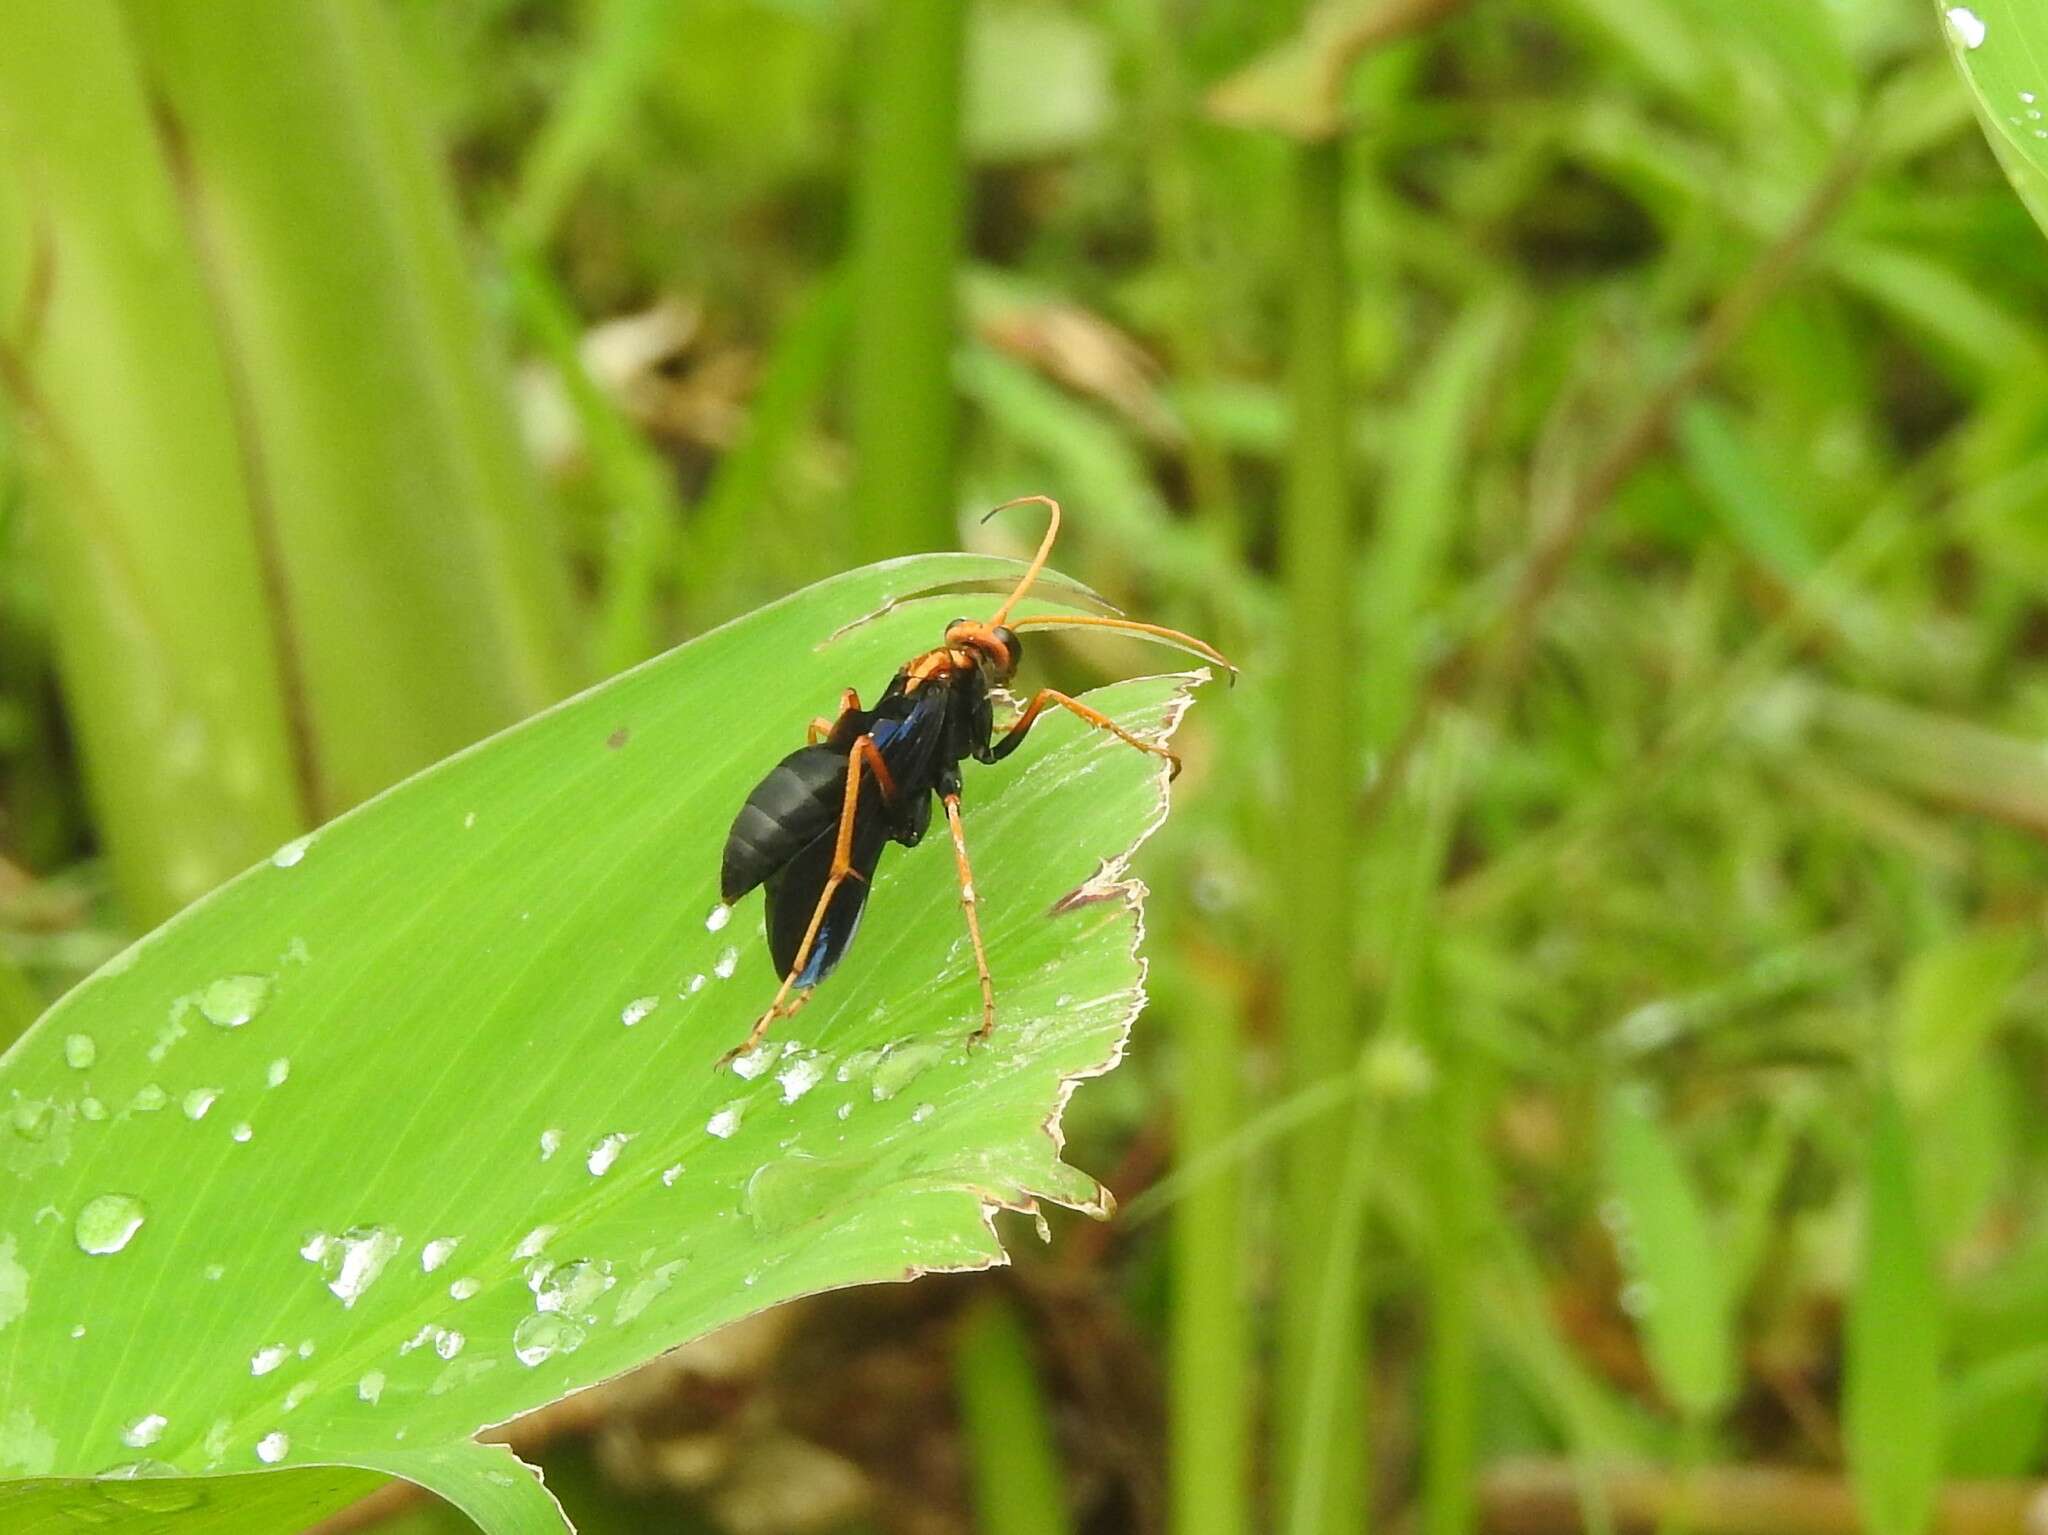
1892, 1396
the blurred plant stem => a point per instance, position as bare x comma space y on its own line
635, 482
1531, 1497
612, 72
1016, 1468
112, 361
908, 197
411, 563
1177, 227
1316, 863
1212, 1372
20, 1003
299, 547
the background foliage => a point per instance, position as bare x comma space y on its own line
1597, 1056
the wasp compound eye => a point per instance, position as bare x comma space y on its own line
1007, 638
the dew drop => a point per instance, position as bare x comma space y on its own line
1967, 26
78, 1331
145, 1431
846, 1110
726, 1120
605, 1153
696, 984
295, 1398
199, 1100
352, 1261
921, 1113
107, 1224
266, 1359
148, 1099
728, 961
306, 1348
80, 1051
550, 1143
213, 1272
233, 1000
637, 1009
534, 1240
438, 1252
718, 917
571, 1288
464, 1288
92, 1109
538, 1338
280, 1069
900, 1065
243, 1132
1638, 1298
273, 1447
370, 1387
801, 1077
750, 1065
670, 1174
448, 1342
288, 856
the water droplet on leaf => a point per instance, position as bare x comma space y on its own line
107, 1224
144, 1431
233, 1000
605, 1153
289, 855
438, 1252
538, 1338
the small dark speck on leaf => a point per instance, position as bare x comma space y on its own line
617, 738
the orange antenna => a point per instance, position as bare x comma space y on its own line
1052, 531
1157, 632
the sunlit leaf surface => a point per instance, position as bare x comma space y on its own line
415, 1127
2001, 47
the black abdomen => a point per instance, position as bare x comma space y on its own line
800, 797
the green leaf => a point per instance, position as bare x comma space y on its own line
1677, 1288
2001, 48
1949, 999
415, 1127
1892, 1402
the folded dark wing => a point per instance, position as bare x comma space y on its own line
794, 890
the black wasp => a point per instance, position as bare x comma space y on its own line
814, 829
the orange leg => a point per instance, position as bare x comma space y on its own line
864, 754
1014, 736
822, 728
968, 901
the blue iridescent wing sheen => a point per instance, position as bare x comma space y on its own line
793, 893
910, 732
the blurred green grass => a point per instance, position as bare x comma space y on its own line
1737, 828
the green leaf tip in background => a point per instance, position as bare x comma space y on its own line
2001, 47
1677, 1287
414, 1127
1892, 1379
